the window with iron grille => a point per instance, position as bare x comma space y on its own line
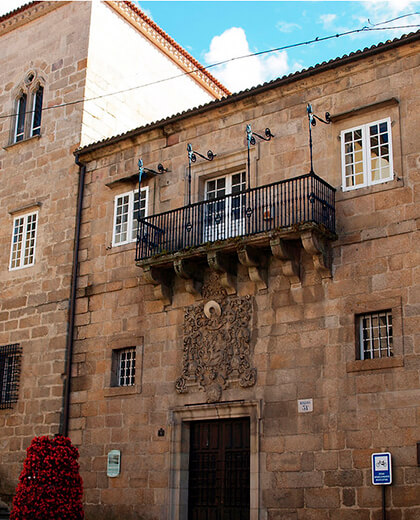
375, 334
22, 253
366, 155
124, 367
126, 215
10, 358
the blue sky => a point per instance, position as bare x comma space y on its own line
216, 31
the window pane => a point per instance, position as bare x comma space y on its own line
383, 127
37, 112
29, 257
136, 211
17, 242
379, 155
354, 158
20, 118
121, 219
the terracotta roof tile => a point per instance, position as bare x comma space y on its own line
18, 10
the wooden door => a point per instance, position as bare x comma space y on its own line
219, 470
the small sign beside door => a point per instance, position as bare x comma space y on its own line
114, 463
381, 469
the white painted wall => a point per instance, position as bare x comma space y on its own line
119, 58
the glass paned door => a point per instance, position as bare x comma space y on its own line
225, 210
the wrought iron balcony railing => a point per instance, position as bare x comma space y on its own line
284, 204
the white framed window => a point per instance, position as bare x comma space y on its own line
225, 217
126, 214
22, 253
123, 367
366, 154
375, 334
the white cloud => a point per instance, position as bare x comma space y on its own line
287, 27
246, 72
390, 8
379, 11
327, 20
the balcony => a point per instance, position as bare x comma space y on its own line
273, 217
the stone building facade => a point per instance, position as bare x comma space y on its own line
52, 65
265, 342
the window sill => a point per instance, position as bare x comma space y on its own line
13, 269
11, 145
119, 248
367, 190
374, 364
117, 391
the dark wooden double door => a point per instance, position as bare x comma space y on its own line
219, 470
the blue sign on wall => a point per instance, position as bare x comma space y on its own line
381, 469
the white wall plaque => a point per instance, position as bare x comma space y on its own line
114, 463
305, 405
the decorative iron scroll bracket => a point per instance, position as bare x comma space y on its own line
250, 139
312, 118
220, 264
290, 258
142, 170
161, 280
320, 251
256, 264
186, 270
192, 158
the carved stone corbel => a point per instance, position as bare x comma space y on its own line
161, 281
221, 265
289, 257
320, 251
256, 264
188, 271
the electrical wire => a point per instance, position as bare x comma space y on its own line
217, 64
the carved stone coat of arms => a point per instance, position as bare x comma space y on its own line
217, 346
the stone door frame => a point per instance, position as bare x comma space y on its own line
180, 419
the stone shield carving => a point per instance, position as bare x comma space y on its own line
217, 346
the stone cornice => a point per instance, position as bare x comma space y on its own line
25, 14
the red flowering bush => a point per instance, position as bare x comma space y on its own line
50, 487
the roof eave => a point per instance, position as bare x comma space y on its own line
297, 76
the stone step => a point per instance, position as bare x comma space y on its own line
4, 513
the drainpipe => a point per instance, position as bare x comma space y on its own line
64, 420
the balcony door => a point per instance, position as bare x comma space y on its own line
224, 215
219, 470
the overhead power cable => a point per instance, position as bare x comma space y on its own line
318, 39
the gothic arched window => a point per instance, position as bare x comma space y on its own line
28, 109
